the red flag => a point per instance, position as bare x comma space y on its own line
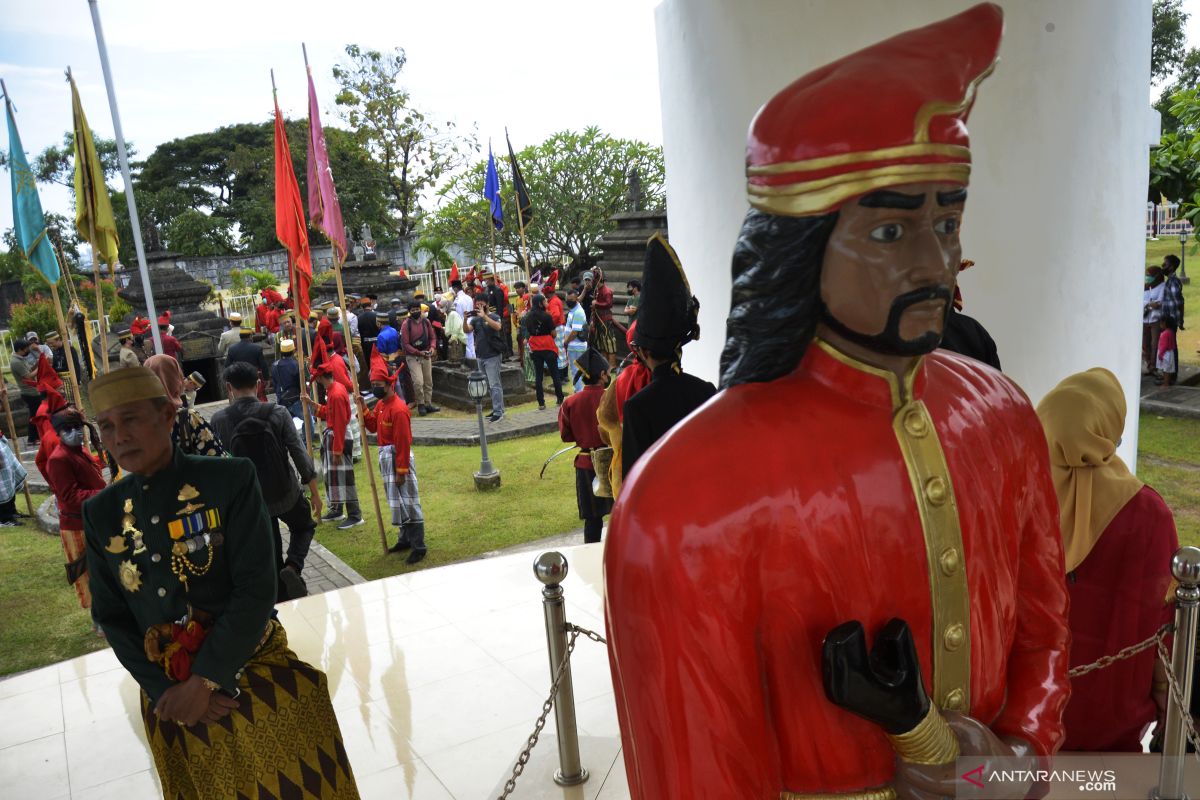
323, 207
47, 378
290, 228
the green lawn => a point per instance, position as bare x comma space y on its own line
1189, 338
462, 523
1169, 461
40, 618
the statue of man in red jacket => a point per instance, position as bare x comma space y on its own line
897, 500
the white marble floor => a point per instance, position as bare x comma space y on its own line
437, 678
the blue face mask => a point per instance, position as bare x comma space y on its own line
72, 438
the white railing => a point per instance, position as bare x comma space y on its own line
94, 326
1169, 224
428, 280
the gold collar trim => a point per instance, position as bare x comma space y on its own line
901, 392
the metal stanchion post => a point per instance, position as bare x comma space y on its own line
551, 569
1186, 568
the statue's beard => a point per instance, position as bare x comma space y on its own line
889, 341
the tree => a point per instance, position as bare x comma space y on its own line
228, 175
1175, 163
437, 250
1168, 38
56, 164
576, 182
199, 234
413, 152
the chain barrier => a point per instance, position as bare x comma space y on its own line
1128, 652
1189, 725
1158, 640
547, 706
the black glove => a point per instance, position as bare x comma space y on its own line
884, 687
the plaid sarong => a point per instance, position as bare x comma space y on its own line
339, 477
12, 472
560, 335
402, 495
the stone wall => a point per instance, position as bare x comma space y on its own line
216, 269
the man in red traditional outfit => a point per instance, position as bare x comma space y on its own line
391, 421
883, 491
337, 448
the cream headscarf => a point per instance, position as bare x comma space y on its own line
1084, 417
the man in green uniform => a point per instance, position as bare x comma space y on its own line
183, 586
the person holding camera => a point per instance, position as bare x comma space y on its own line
484, 325
576, 339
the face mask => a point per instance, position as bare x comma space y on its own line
72, 438
379, 391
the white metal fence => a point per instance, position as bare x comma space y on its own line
1169, 223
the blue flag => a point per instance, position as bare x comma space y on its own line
29, 222
491, 191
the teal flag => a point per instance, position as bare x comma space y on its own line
28, 220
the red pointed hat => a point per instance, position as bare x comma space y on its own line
891, 114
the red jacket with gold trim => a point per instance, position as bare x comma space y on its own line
800, 514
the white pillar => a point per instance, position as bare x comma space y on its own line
1059, 137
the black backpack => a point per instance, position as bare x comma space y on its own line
254, 438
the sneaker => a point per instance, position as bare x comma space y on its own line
421, 410
496, 417
293, 583
330, 516
400, 546
415, 556
542, 407
8, 523
350, 523
433, 409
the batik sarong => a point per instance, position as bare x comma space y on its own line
281, 741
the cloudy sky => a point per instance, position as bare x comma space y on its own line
180, 68
183, 68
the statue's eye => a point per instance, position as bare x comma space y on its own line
947, 226
887, 233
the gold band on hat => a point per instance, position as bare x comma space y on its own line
810, 198
122, 386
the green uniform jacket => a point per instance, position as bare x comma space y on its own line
131, 592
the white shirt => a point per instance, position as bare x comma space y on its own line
463, 304
1152, 315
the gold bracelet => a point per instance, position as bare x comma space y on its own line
931, 742
212, 686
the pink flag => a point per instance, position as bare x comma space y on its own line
324, 211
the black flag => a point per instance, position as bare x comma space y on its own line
523, 205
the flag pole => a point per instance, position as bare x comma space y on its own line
123, 156
66, 334
362, 427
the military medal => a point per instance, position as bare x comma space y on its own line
190, 508
188, 492
127, 527
131, 576
116, 545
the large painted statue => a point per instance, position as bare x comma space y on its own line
851, 488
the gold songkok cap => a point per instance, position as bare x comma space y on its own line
122, 386
287, 346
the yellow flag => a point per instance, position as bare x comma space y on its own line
93, 211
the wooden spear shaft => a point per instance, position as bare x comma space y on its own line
65, 333
362, 428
